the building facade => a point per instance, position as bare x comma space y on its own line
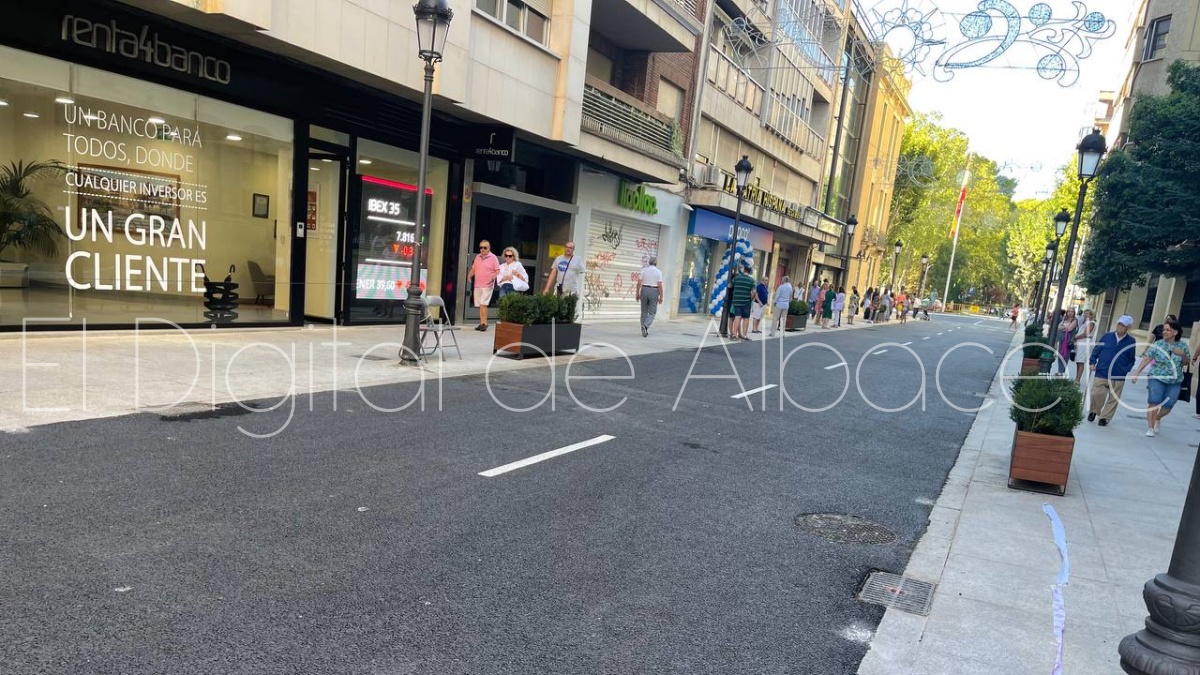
767, 92
1162, 32
273, 144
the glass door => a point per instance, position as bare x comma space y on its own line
502, 229
323, 232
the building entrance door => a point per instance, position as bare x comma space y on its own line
324, 230
504, 228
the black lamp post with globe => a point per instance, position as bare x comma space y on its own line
1091, 149
1060, 226
433, 25
741, 174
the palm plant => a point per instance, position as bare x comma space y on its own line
26, 222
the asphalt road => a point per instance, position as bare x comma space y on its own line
353, 540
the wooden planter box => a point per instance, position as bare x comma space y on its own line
549, 338
796, 322
1040, 458
1028, 365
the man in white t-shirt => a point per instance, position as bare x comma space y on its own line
652, 293
566, 274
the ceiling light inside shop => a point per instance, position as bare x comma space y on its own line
90, 117
32, 115
364, 161
327, 160
156, 120
314, 168
232, 137
3, 103
65, 100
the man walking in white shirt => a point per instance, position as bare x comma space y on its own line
652, 293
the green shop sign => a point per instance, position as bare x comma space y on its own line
633, 196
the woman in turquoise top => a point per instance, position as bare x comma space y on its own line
1165, 358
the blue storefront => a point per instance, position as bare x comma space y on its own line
709, 234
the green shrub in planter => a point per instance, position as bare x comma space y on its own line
797, 307
530, 310
517, 308
567, 305
1047, 405
1034, 346
1032, 331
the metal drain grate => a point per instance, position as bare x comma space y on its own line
844, 529
895, 591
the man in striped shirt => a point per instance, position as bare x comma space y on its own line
743, 293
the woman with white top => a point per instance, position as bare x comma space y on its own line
1083, 343
512, 277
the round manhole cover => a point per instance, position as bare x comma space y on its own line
844, 529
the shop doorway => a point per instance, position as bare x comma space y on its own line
503, 228
324, 232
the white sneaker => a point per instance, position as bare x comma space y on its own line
1150, 433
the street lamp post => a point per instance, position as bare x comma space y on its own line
1041, 285
895, 261
1170, 642
851, 225
433, 24
924, 270
1060, 226
741, 173
1091, 149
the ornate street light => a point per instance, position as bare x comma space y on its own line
741, 173
1168, 644
1090, 149
851, 226
1060, 223
924, 270
433, 25
895, 261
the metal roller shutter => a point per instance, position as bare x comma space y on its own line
617, 250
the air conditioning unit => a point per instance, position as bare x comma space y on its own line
711, 175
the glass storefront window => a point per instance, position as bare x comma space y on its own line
140, 187
382, 247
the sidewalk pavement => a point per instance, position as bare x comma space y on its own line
992, 554
48, 377
989, 548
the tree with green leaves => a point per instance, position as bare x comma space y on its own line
1147, 194
922, 216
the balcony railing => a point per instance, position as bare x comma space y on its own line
605, 114
782, 120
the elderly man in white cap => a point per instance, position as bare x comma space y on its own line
1112, 358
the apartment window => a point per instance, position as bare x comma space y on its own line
599, 66
528, 18
670, 99
1156, 37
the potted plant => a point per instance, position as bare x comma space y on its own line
535, 325
797, 315
26, 222
1032, 352
1046, 411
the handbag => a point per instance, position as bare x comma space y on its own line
1185, 387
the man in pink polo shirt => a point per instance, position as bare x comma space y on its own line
484, 270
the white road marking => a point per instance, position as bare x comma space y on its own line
925, 338
744, 394
939, 333
836, 365
492, 473
977, 322
881, 351
906, 344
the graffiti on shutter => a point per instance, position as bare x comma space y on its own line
616, 252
